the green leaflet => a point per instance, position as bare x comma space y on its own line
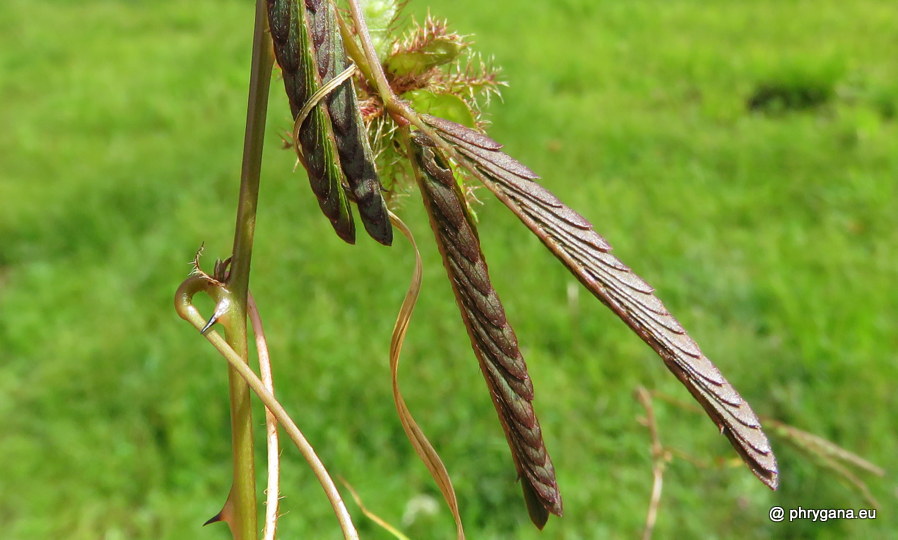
434, 52
441, 104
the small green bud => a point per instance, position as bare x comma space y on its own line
435, 51
441, 104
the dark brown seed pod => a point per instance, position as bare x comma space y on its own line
493, 340
356, 158
293, 51
588, 256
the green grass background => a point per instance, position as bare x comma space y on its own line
770, 235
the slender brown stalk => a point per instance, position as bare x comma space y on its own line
659, 462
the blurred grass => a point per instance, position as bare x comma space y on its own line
771, 234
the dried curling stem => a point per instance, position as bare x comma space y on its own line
415, 434
188, 311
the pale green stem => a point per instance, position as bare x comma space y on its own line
272, 491
380, 78
188, 312
242, 516
352, 49
369, 64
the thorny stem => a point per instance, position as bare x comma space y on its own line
240, 508
188, 312
239, 511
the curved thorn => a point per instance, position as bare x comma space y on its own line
223, 306
214, 519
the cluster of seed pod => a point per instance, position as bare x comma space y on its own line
572, 239
332, 143
332, 137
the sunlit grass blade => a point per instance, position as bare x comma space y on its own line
492, 337
381, 522
588, 256
830, 456
356, 158
316, 146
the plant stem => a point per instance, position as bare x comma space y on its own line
272, 496
187, 311
242, 517
369, 64
353, 50
659, 462
380, 78
257, 107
